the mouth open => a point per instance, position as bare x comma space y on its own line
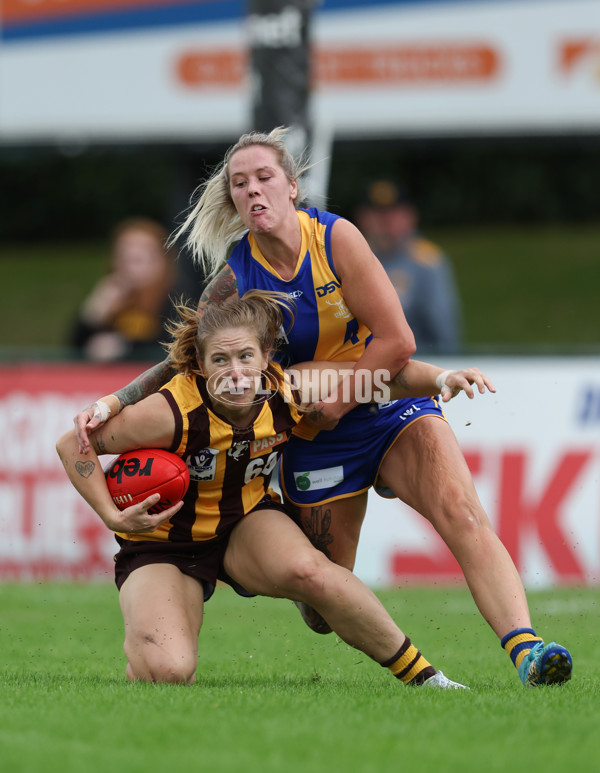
239, 387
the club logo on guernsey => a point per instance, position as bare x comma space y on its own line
203, 464
238, 449
343, 311
319, 479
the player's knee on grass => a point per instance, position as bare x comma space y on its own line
175, 671
152, 663
167, 670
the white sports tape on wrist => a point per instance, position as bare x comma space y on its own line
102, 410
440, 380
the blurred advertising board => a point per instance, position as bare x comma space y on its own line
534, 452
46, 529
533, 449
139, 70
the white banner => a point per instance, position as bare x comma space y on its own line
85, 70
534, 452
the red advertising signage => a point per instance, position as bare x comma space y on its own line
534, 456
46, 528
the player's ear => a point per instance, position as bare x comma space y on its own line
200, 366
265, 359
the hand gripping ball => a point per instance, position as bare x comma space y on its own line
134, 475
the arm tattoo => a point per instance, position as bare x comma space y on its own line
400, 379
85, 469
146, 384
100, 445
315, 413
223, 286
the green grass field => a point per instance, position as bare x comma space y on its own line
522, 288
272, 696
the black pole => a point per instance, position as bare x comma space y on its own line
279, 34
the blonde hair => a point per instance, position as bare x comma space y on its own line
212, 224
260, 311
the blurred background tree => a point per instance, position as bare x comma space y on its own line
518, 216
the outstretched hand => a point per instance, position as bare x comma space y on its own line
455, 381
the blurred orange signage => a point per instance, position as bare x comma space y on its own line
580, 52
377, 65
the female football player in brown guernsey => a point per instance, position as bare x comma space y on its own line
229, 413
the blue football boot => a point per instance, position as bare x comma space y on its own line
546, 664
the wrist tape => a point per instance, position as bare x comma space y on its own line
102, 411
440, 380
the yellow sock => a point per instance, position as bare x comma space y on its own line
409, 665
518, 643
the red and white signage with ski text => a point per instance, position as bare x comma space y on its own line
533, 449
534, 452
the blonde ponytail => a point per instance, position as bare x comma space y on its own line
212, 225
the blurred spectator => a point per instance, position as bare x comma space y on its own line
419, 270
123, 316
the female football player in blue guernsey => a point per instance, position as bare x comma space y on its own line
347, 309
228, 413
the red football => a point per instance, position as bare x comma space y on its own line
134, 475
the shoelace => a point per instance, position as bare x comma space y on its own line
532, 656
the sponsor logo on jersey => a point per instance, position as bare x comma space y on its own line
319, 479
281, 339
409, 412
330, 287
258, 447
295, 294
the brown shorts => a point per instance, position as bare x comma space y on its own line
201, 560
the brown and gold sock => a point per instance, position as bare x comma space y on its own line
409, 665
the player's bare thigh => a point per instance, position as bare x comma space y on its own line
162, 612
426, 469
269, 555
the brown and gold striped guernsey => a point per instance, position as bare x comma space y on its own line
230, 467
